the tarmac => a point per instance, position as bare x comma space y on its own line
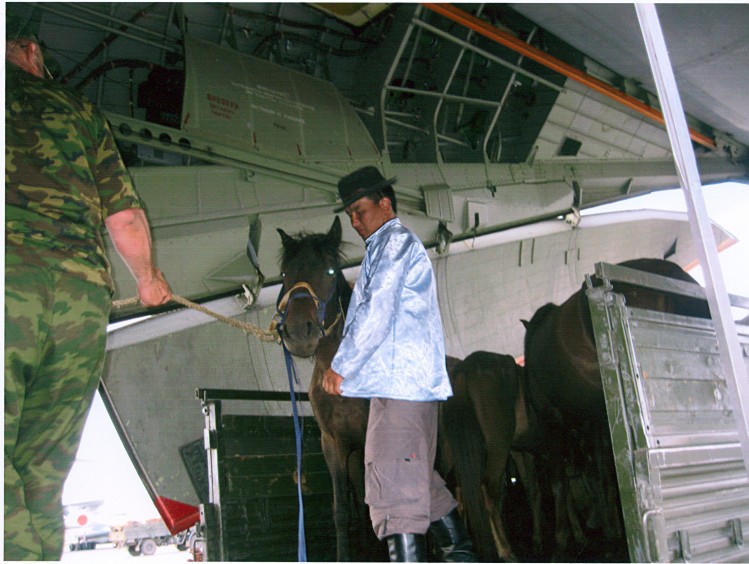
106, 553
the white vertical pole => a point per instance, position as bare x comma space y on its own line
702, 233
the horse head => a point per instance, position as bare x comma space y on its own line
314, 293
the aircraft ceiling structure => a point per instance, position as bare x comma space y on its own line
706, 41
239, 118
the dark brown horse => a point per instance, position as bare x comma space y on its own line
565, 390
560, 353
315, 299
483, 425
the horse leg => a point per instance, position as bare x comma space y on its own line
527, 435
527, 471
368, 546
341, 516
497, 422
578, 501
565, 523
612, 525
493, 490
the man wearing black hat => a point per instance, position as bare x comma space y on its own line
64, 182
393, 353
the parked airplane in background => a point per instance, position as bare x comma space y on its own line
85, 527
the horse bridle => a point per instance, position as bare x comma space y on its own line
304, 290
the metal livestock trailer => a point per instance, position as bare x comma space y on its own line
675, 431
246, 475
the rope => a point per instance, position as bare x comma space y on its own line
249, 328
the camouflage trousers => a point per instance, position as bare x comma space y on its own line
55, 336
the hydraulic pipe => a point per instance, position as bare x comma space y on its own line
495, 34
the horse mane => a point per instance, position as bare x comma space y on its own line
318, 243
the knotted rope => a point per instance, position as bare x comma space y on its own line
249, 328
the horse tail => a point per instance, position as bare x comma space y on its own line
463, 436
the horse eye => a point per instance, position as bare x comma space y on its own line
331, 271
283, 275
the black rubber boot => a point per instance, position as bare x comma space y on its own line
451, 537
407, 547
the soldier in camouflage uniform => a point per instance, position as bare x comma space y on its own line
64, 182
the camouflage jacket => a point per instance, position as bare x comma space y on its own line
63, 177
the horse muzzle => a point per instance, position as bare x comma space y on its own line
301, 337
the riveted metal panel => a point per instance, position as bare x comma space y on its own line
683, 482
251, 104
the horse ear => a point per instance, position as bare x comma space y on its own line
525, 323
336, 231
285, 239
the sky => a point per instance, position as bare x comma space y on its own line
727, 205
103, 470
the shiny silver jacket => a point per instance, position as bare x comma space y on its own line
393, 345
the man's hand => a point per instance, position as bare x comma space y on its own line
331, 382
155, 291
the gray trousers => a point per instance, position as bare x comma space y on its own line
403, 490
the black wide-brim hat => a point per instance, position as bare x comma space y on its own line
360, 183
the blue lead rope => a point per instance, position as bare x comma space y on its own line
293, 377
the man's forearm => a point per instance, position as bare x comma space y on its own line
132, 238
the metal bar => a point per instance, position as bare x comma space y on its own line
111, 18
49, 7
448, 84
412, 55
148, 133
442, 137
449, 97
207, 395
702, 232
619, 273
488, 55
102, 78
502, 101
495, 34
407, 125
739, 301
393, 113
167, 23
214, 455
389, 79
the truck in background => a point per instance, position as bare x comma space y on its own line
144, 537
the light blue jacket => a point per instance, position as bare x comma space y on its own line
393, 345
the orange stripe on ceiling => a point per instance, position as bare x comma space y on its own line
495, 34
